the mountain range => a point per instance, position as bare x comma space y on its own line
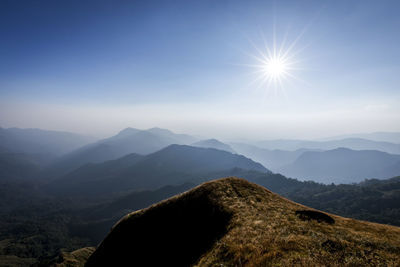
93, 188
351, 143
214, 143
274, 159
391, 137
127, 141
172, 165
317, 162
343, 165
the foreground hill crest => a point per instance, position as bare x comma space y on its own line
231, 222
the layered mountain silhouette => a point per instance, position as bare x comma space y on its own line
58, 153
274, 159
143, 142
175, 164
94, 185
343, 165
391, 137
231, 222
214, 143
127, 141
351, 143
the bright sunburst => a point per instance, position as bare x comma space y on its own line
274, 68
275, 65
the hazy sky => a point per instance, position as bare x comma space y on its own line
95, 67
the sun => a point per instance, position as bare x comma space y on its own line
275, 67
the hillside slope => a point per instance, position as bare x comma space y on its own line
231, 222
17, 166
372, 200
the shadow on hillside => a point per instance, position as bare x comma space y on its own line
176, 233
314, 215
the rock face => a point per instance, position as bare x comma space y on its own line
231, 222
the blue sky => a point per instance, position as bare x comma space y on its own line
98, 66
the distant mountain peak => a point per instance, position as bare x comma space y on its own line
340, 149
128, 131
160, 130
214, 143
213, 140
175, 164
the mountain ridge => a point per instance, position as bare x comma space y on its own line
343, 165
214, 143
352, 143
172, 165
127, 141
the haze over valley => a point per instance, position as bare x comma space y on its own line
100, 180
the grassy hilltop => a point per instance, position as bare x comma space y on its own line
232, 222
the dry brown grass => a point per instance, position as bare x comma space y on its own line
75, 258
264, 230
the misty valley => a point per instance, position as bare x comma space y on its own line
61, 191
